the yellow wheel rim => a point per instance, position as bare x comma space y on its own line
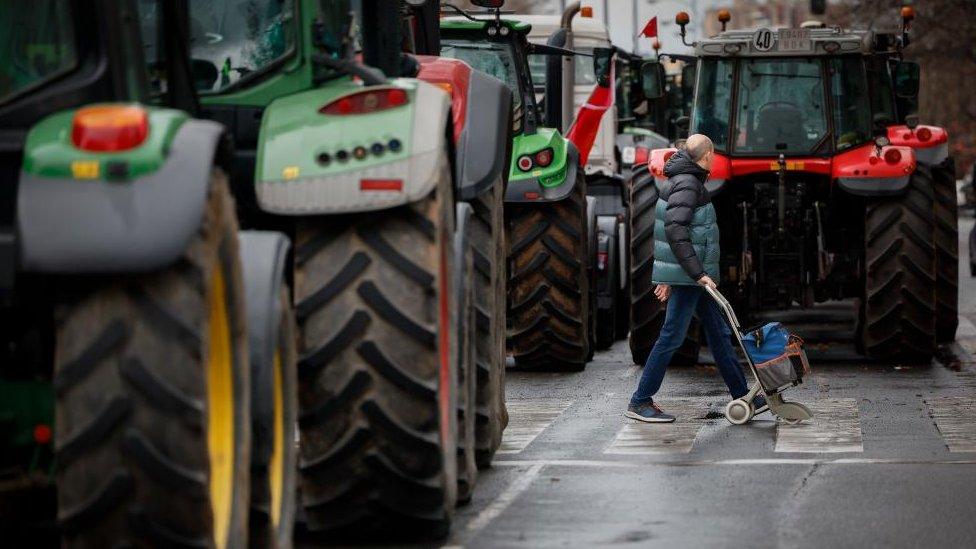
220, 412
277, 471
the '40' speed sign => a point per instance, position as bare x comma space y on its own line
762, 39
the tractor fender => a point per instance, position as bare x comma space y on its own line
263, 255
483, 146
863, 172
290, 180
71, 225
931, 151
521, 190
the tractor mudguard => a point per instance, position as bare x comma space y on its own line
550, 185
482, 149
263, 255
932, 150
69, 225
314, 162
866, 172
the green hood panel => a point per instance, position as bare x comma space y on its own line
49, 151
294, 133
552, 175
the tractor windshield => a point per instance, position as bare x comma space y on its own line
781, 106
714, 101
492, 58
229, 39
36, 44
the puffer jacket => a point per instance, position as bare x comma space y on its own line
686, 237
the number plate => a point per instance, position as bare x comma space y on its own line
795, 40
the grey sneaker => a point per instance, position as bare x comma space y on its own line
648, 413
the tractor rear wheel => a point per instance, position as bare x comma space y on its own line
897, 309
153, 399
273, 497
377, 371
946, 251
646, 312
549, 291
487, 240
467, 382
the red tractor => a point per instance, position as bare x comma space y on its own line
825, 184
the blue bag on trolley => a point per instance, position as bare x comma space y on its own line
767, 342
777, 354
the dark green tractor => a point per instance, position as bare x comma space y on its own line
145, 341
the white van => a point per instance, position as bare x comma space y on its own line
588, 33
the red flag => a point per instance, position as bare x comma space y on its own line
584, 129
650, 29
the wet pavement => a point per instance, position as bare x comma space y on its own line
889, 459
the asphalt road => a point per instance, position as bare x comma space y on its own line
889, 460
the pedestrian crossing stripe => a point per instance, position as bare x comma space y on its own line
527, 420
638, 438
956, 419
835, 427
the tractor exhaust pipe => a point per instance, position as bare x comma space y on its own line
569, 68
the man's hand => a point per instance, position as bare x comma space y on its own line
707, 282
663, 292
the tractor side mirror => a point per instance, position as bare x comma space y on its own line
602, 65
652, 79
907, 76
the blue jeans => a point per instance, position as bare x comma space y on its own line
683, 303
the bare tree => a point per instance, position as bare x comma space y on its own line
944, 44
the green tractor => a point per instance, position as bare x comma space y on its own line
397, 272
148, 365
548, 217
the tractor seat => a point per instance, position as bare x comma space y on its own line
779, 122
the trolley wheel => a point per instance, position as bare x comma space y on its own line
738, 412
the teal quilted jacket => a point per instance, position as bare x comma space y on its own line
686, 236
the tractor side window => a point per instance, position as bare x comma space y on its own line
537, 66
713, 103
781, 106
882, 96
849, 92
37, 44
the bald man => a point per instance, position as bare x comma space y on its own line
686, 260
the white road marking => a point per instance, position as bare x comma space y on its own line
835, 427
498, 506
630, 372
638, 438
527, 419
956, 419
610, 464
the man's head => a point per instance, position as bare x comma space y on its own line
701, 150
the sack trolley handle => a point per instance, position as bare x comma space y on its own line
725, 305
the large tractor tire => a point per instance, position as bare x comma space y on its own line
896, 317
487, 240
273, 499
377, 373
467, 382
946, 251
152, 399
646, 312
549, 291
